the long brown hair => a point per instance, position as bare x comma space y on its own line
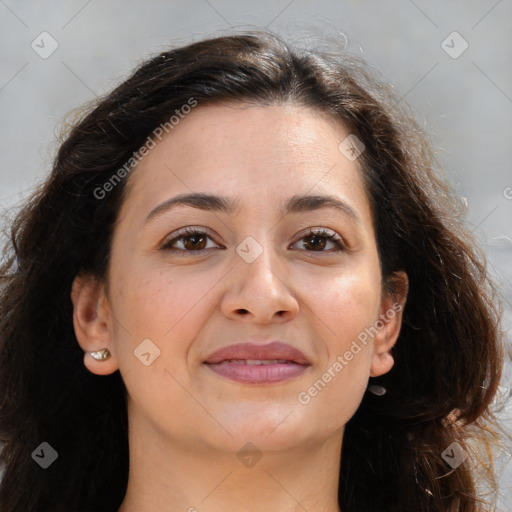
448, 357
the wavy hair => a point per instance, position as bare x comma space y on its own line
448, 357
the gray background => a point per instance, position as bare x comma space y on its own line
465, 102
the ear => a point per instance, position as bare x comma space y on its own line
92, 323
389, 323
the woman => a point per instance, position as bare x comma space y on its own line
244, 287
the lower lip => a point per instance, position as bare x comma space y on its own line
258, 374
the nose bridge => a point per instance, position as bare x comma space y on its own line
258, 285
259, 263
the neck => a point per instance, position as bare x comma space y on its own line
168, 476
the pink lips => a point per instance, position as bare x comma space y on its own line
258, 364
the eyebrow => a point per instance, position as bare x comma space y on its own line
222, 204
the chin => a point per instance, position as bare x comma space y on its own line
268, 426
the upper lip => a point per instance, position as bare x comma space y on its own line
272, 350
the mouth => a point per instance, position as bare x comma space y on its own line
258, 364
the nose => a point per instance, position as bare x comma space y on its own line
258, 292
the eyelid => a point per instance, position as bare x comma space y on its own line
187, 231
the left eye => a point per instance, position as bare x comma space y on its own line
314, 240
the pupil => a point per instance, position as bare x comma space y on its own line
195, 239
318, 243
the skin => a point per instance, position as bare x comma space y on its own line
187, 423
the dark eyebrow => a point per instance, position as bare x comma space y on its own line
207, 202
299, 204
196, 200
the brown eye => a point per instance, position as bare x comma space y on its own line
194, 242
317, 240
190, 239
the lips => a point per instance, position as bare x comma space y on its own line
274, 351
258, 364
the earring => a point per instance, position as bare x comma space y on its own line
377, 390
101, 355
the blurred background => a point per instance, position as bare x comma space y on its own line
449, 60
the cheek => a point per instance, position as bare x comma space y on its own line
335, 394
167, 308
343, 308
352, 308
162, 305
345, 302
335, 390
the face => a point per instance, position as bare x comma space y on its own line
274, 267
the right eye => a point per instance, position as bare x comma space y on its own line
192, 240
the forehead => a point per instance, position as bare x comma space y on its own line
256, 153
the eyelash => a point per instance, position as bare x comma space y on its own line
190, 231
